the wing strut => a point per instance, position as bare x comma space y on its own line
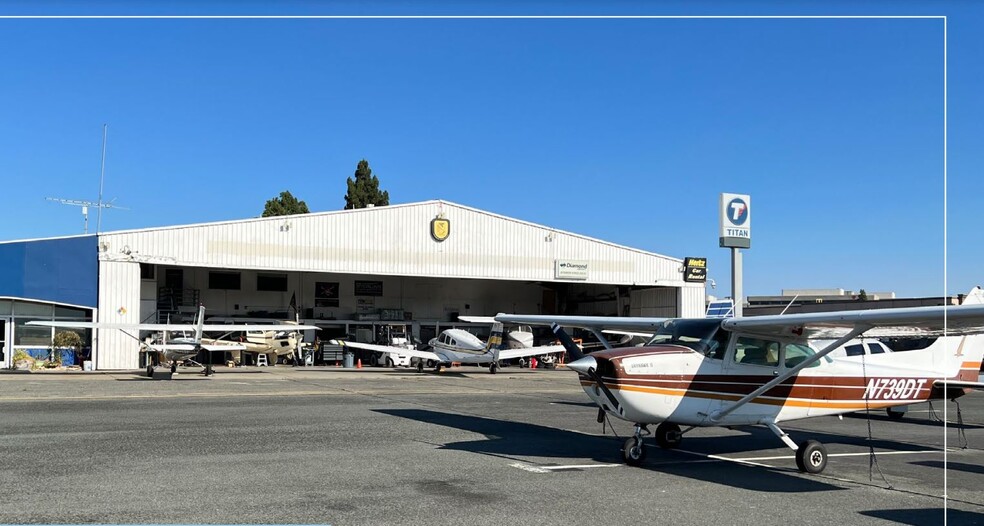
601, 337
716, 416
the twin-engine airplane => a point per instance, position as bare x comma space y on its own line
459, 345
174, 350
761, 370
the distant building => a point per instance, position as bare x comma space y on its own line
825, 300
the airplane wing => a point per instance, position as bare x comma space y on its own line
629, 333
477, 319
904, 322
586, 322
182, 347
510, 354
171, 327
426, 355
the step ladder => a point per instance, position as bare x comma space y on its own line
261, 359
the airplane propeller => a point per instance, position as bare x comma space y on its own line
586, 365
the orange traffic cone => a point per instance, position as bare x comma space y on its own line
358, 363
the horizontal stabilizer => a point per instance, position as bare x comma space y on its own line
511, 354
426, 355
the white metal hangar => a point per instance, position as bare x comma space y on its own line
420, 263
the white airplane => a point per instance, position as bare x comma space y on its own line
459, 345
174, 350
272, 340
761, 370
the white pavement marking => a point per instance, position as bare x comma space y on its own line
533, 468
756, 461
866, 453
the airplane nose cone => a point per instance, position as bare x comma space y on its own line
582, 365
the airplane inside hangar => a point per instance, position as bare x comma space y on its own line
347, 272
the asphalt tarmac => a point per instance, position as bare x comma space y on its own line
326, 445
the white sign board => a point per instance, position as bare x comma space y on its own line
570, 269
736, 220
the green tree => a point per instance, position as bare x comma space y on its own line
862, 296
364, 190
285, 205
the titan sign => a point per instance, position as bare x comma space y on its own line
736, 221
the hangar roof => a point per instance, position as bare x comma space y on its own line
396, 240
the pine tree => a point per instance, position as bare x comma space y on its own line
284, 205
364, 190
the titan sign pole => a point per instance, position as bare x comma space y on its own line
736, 234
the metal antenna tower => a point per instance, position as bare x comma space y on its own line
98, 205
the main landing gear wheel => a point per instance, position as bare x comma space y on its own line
373, 360
493, 368
894, 415
150, 370
389, 363
174, 367
634, 451
668, 435
420, 366
811, 457
437, 368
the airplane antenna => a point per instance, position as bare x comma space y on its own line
99, 204
789, 305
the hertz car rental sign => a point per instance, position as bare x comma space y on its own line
695, 270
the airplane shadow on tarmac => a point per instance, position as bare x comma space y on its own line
926, 516
959, 466
515, 440
919, 421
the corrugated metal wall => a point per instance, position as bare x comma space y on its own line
119, 302
394, 240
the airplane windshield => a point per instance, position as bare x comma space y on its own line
703, 336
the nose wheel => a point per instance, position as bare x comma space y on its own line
634, 449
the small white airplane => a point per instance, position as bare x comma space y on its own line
181, 348
761, 370
273, 341
459, 345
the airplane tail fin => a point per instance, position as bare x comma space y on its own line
968, 352
199, 323
495, 337
495, 341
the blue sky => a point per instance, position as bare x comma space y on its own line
625, 130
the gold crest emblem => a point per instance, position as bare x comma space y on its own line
440, 228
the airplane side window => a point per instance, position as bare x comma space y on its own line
876, 348
453, 343
796, 354
718, 346
755, 351
854, 350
